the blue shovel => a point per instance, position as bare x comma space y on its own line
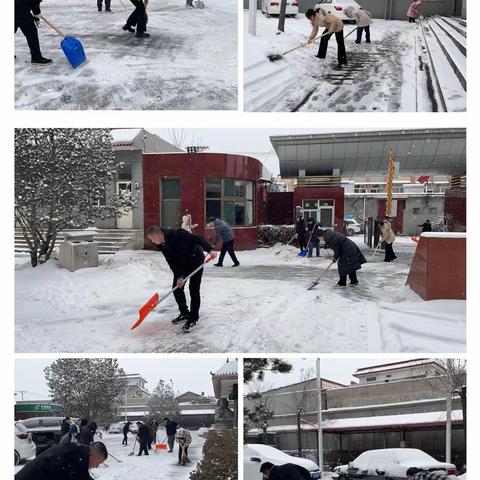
71, 46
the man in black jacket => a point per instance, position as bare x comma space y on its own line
27, 17
171, 431
289, 471
143, 437
426, 226
126, 429
183, 252
66, 461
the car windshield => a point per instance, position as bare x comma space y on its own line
413, 456
267, 451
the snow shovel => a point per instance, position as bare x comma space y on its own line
133, 449
304, 252
71, 46
115, 458
349, 33
277, 56
379, 244
317, 281
155, 300
162, 445
289, 242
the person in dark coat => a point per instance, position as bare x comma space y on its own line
138, 18
224, 232
171, 431
143, 437
126, 429
27, 18
107, 5
300, 230
348, 256
67, 461
313, 242
85, 435
93, 427
426, 226
65, 425
289, 471
183, 252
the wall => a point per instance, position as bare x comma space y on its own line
410, 221
192, 169
324, 193
280, 208
456, 210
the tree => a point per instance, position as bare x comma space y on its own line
256, 367
281, 17
62, 178
86, 387
261, 413
163, 403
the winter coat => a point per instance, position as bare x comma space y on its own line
323, 19
143, 433
183, 251
68, 461
387, 233
171, 427
187, 223
93, 427
413, 9
65, 427
25, 8
222, 231
300, 227
361, 17
86, 436
183, 437
126, 428
346, 252
289, 471
426, 227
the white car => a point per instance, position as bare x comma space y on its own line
352, 226
272, 7
256, 454
391, 463
24, 445
116, 427
337, 7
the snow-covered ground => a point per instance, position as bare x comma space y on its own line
387, 75
159, 464
262, 306
189, 62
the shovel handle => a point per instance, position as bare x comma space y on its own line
349, 33
51, 25
306, 43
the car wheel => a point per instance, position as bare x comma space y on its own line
17, 458
268, 15
350, 231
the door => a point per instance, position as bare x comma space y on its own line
125, 220
327, 217
170, 202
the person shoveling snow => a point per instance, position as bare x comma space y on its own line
333, 25
363, 19
184, 439
138, 19
183, 252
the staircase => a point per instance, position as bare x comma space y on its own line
110, 241
446, 42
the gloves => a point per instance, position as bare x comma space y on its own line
36, 19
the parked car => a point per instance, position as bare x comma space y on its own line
256, 454
337, 7
391, 463
352, 226
116, 427
25, 447
272, 7
46, 431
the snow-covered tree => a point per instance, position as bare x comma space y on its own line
163, 403
62, 177
87, 387
256, 367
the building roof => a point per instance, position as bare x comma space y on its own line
140, 139
230, 368
419, 152
394, 366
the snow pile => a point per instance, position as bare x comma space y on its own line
189, 62
261, 306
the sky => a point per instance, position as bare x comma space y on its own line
247, 141
336, 369
189, 373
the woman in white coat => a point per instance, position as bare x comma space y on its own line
388, 237
362, 19
187, 222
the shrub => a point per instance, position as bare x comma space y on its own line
269, 235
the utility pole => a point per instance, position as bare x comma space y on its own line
252, 17
319, 418
389, 186
448, 429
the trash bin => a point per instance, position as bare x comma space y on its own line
78, 250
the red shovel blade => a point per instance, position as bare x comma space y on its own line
146, 309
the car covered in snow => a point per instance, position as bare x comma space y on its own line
337, 7
116, 427
25, 447
45, 431
352, 226
272, 7
256, 454
391, 463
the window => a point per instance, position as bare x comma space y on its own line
125, 172
416, 211
360, 189
371, 379
230, 199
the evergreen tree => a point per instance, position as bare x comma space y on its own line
163, 403
86, 387
63, 179
255, 367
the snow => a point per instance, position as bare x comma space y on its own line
444, 235
262, 306
393, 366
387, 75
208, 411
189, 62
229, 368
159, 462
